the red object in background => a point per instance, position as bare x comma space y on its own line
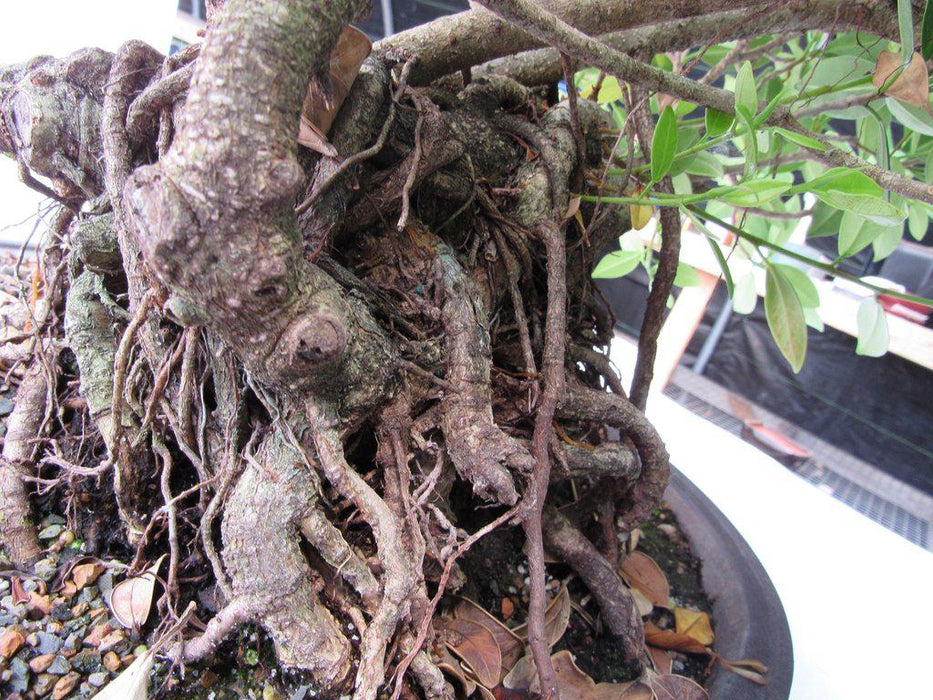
911, 310
774, 442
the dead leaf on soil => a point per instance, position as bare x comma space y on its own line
448, 664
572, 682
751, 669
672, 687
324, 101
662, 658
556, 618
510, 645
911, 86
131, 599
642, 572
133, 683
671, 640
641, 602
693, 623
476, 646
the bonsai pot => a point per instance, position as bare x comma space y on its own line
748, 617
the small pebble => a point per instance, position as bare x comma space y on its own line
65, 685
97, 679
60, 666
10, 642
41, 663
111, 661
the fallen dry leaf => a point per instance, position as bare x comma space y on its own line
19, 593
448, 664
911, 86
662, 658
572, 682
751, 669
556, 618
693, 623
671, 687
641, 602
475, 645
131, 599
642, 572
133, 683
323, 101
671, 640
640, 215
510, 645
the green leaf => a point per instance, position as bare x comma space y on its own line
745, 298
617, 264
800, 139
885, 242
846, 180
872, 329
926, 36
918, 220
812, 317
717, 123
905, 27
705, 164
855, 233
754, 192
746, 94
664, 144
875, 209
803, 286
825, 221
686, 276
785, 318
911, 116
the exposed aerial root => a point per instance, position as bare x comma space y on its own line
479, 449
398, 580
610, 409
267, 569
17, 528
616, 605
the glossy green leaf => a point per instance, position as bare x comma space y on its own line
886, 242
617, 264
802, 284
785, 318
926, 36
825, 221
812, 317
918, 221
746, 93
856, 233
664, 144
869, 207
800, 139
717, 122
905, 27
872, 329
911, 116
754, 192
686, 276
704, 164
745, 298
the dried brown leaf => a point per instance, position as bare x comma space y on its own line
476, 646
556, 618
671, 640
693, 623
131, 599
662, 658
671, 687
19, 593
510, 645
572, 682
751, 669
325, 98
448, 664
643, 573
911, 86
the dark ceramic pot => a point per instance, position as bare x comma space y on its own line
748, 617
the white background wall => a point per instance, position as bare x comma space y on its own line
58, 27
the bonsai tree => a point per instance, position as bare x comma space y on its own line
318, 376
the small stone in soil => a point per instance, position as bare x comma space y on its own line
41, 663
97, 679
65, 685
59, 666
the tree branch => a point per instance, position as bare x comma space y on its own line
547, 27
